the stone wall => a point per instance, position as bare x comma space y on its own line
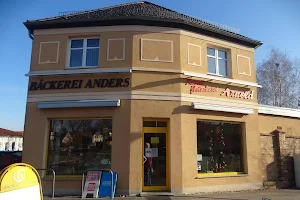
277, 158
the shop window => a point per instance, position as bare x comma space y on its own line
76, 146
219, 147
217, 62
84, 52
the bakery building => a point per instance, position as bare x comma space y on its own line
167, 101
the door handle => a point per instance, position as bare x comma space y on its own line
145, 159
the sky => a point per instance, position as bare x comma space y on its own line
274, 22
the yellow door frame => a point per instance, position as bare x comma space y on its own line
157, 130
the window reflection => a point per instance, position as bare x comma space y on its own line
78, 145
219, 147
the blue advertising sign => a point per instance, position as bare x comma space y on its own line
105, 185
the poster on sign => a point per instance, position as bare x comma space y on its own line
151, 152
92, 184
106, 186
20, 181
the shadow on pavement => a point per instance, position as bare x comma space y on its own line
188, 197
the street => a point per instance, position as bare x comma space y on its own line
246, 195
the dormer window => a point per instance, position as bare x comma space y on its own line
84, 53
217, 62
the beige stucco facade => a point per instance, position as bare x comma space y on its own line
158, 89
290, 126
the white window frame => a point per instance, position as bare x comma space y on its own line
84, 48
216, 57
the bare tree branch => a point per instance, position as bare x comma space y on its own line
279, 76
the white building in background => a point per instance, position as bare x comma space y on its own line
11, 140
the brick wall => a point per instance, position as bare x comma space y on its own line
277, 158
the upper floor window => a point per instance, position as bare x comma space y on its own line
13, 146
217, 62
84, 52
6, 146
20, 146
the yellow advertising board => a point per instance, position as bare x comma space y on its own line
20, 181
154, 140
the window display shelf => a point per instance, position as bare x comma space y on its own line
221, 174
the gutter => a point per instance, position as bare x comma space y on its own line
30, 31
30, 34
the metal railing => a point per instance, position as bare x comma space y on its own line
53, 179
111, 182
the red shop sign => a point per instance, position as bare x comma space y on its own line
197, 86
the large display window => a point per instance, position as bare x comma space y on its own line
76, 146
219, 148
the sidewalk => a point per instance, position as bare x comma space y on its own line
247, 195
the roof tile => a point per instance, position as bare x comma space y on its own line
146, 10
5, 132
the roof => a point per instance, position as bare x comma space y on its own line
139, 13
5, 132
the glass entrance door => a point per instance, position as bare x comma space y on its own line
155, 159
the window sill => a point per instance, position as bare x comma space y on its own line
87, 67
212, 74
217, 175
